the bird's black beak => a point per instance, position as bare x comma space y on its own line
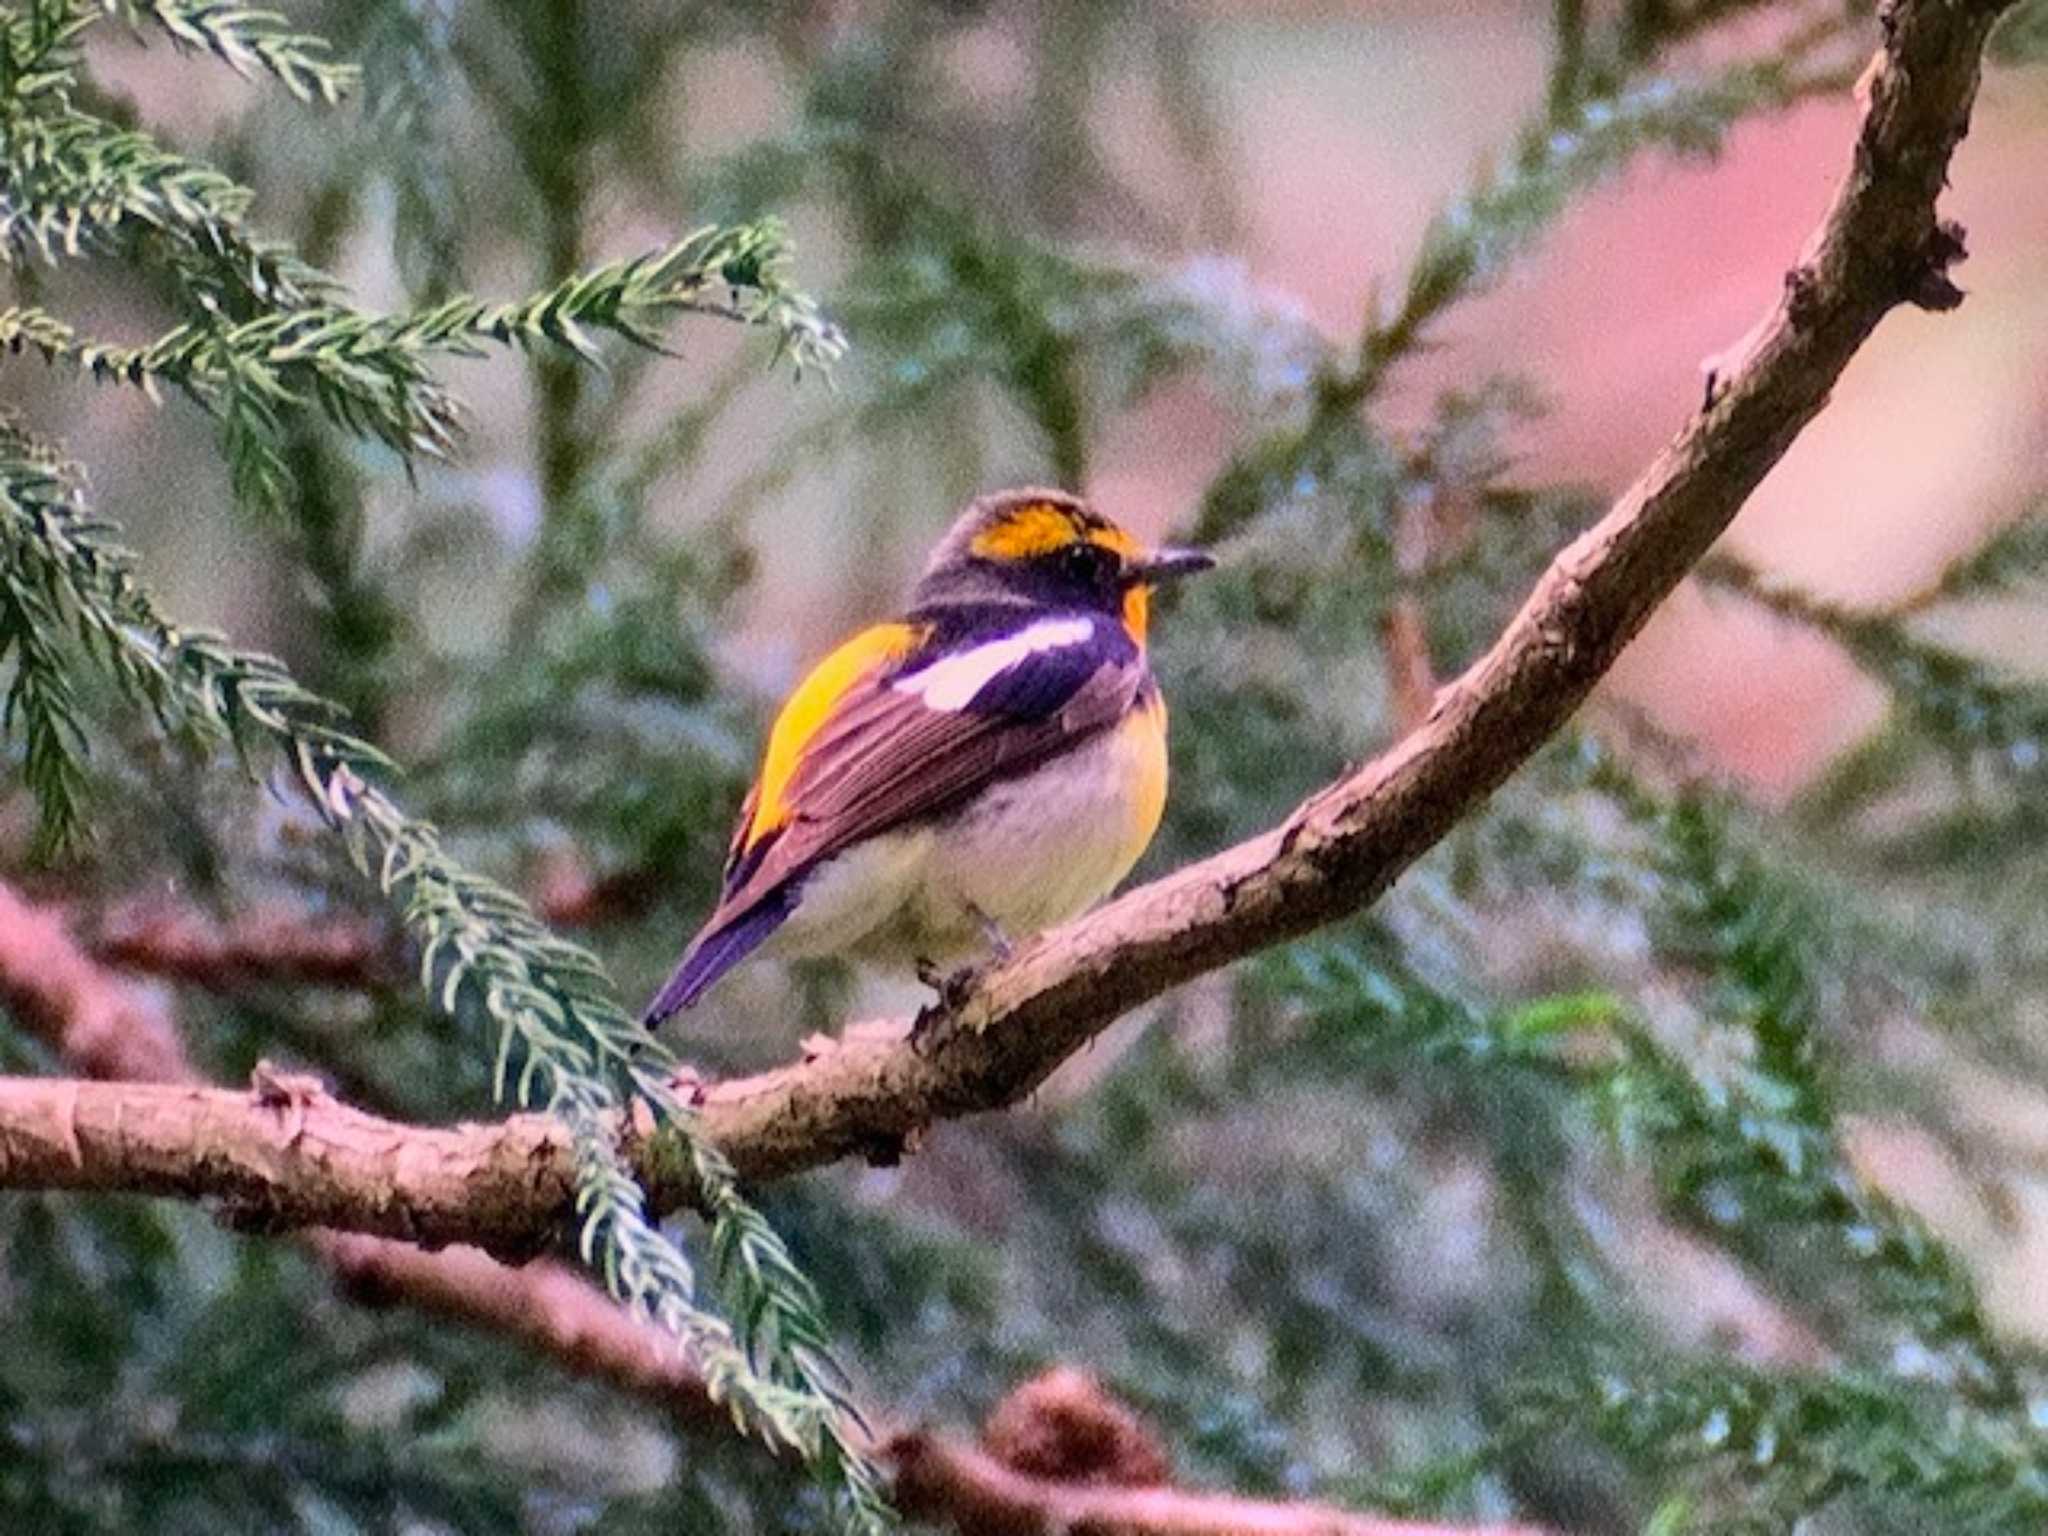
1165, 565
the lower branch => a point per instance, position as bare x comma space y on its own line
1059, 1455
107, 1028
1044, 1438
176, 941
546, 1306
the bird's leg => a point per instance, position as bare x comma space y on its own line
922, 1027
953, 987
992, 933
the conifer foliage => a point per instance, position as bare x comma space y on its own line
1418, 1216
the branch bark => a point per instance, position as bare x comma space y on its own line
108, 1029
1050, 1446
505, 1186
1059, 1454
942, 1479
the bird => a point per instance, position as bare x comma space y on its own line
988, 765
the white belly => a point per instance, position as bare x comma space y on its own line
1028, 853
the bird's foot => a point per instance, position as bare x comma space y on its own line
953, 988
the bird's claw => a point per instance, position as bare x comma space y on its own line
953, 988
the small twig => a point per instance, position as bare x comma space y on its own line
1411, 673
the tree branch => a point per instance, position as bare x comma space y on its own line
176, 941
1880, 245
939, 1478
108, 1029
1060, 1454
1049, 1434
287, 1154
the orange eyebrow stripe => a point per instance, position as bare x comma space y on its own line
1036, 529
1115, 540
810, 706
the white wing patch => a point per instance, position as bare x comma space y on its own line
952, 681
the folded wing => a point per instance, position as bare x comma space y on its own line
909, 734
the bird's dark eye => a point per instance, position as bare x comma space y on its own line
1084, 562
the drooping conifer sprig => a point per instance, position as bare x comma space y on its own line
248, 39
266, 334
40, 705
563, 1041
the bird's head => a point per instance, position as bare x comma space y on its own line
1047, 548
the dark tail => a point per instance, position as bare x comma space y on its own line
714, 952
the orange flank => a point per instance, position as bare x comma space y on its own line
809, 707
1146, 725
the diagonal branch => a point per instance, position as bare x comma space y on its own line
505, 1186
1880, 245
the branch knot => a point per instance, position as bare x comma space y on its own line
1930, 287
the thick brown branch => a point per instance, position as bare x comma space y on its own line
108, 1029
506, 1186
1879, 246
284, 1154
